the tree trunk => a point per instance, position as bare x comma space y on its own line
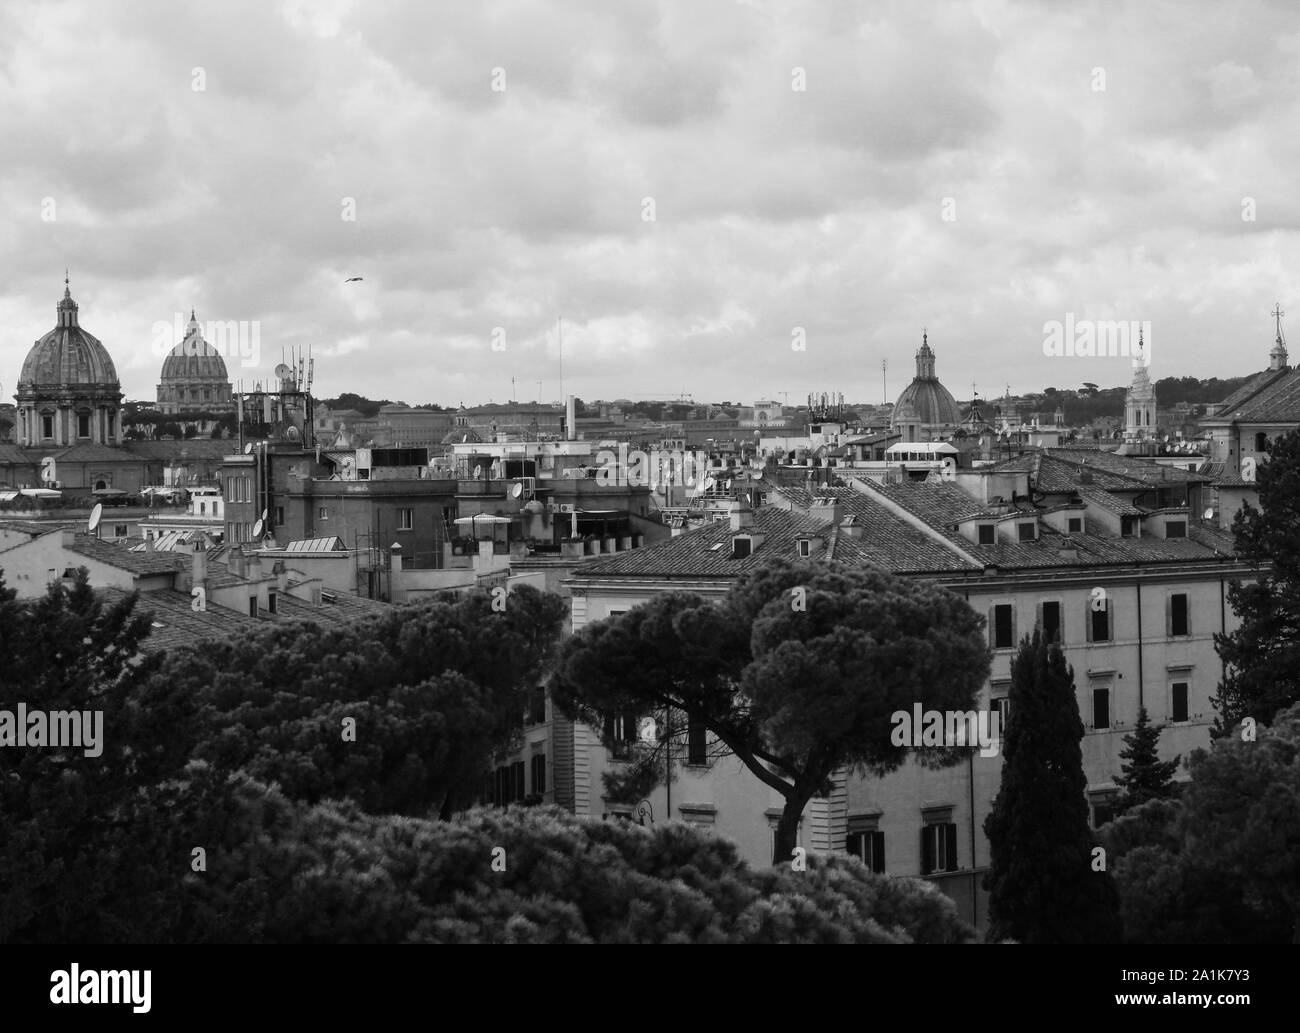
787, 829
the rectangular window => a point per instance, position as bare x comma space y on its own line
537, 706
1099, 621
279, 514
1103, 808
1178, 704
405, 519
83, 424
1004, 630
1176, 529
869, 848
987, 534
1127, 526
1074, 525
1026, 532
47, 426
740, 548
805, 547
620, 733
1051, 621
939, 848
252, 606
1001, 705
539, 774
1101, 708
696, 742
324, 513
1178, 624
121, 530
270, 602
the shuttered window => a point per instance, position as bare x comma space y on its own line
939, 848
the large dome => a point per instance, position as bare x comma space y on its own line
67, 355
194, 359
932, 402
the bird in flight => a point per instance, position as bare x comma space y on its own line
354, 279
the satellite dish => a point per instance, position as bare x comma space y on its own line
257, 529
248, 449
518, 490
263, 514
282, 371
1209, 514
95, 515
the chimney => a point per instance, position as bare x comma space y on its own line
235, 561
281, 573
397, 590
742, 517
253, 567
69, 537
826, 510
199, 563
850, 527
148, 543
570, 420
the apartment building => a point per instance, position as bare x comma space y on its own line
1119, 567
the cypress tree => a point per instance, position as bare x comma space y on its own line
1261, 654
1044, 883
1146, 776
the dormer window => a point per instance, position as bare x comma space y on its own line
987, 534
1176, 529
741, 546
1026, 532
1127, 526
1074, 525
804, 547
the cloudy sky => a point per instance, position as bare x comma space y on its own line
686, 183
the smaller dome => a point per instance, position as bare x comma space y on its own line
461, 436
194, 359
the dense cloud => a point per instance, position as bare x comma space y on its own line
775, 208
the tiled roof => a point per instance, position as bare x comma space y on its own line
124, 559
31, 527
1107, 500
693, 555
886, 540
1249, 393
176, 624
941, 505
180, 626
1279, 402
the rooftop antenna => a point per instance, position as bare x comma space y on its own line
560, 323
884, 383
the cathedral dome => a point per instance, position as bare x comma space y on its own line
194, 359
67, 355
932, 402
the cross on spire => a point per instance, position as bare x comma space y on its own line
1277, 314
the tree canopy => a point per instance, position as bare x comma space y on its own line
797, 671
